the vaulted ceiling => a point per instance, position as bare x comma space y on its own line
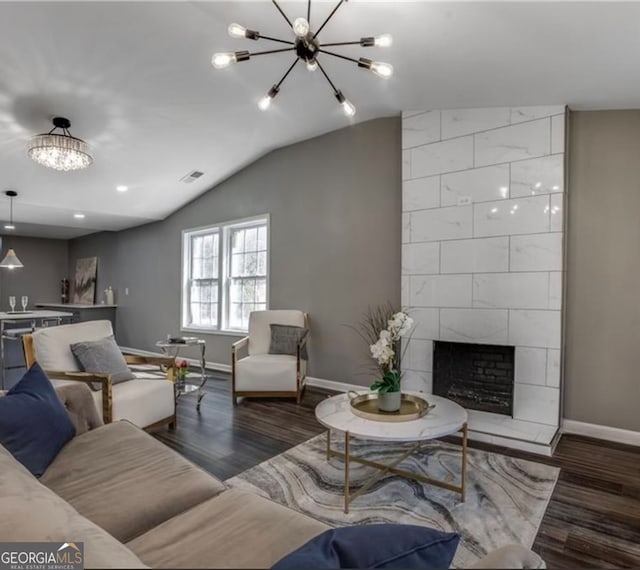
136, 81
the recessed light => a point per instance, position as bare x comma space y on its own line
9, 227
122, 188
78, 216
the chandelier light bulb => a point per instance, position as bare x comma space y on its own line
312, 65
264, 103
222, 60
349, 108
382, 69
237, 31
300, 27
383, 40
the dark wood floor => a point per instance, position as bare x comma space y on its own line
592, 521
227, 440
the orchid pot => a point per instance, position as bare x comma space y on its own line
389, 395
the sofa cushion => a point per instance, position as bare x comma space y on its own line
34, 425
51, 344
102, 356
122, 479
510, 556
142, 402
260, 332
285, 339
275, 372
234, 530
31, 512
375, 546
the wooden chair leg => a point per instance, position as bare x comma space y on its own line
300, 394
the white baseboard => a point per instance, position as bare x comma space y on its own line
529, 446
601, 432
568, 426
333, 385
192, 361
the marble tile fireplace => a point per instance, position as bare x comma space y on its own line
483, 254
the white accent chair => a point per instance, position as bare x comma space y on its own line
265, 375
147, 403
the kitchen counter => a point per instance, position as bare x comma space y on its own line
82, 313
33, 315
74, 306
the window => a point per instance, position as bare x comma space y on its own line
225, 273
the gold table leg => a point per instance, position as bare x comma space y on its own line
328, 444
346, 472
391, 468
463, 474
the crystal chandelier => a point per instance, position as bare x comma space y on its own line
307, 48
60, 151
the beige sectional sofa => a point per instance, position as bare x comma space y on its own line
135, 503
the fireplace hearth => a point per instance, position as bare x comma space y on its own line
476, 376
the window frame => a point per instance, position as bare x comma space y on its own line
224, 231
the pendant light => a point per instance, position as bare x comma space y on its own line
11, 260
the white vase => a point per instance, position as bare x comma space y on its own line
389, 402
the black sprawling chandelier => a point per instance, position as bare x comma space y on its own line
307, 48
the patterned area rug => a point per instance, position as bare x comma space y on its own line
506, 497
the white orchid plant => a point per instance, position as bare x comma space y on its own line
382, 328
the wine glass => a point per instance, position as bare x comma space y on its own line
12, 303
25, 301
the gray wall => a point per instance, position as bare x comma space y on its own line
602, 375
335, 206
45, 264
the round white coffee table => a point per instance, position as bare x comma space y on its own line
445, 419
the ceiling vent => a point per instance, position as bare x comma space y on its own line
191, 176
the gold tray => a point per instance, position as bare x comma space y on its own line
411, 408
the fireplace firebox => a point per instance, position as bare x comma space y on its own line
476, 376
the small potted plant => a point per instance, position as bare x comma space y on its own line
382, 328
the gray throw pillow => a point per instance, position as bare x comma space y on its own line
102, 357
285, 339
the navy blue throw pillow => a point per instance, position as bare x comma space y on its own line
375, 546
34, 425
